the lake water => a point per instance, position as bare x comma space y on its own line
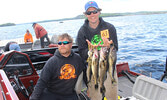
142, 39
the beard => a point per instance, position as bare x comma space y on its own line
64, 51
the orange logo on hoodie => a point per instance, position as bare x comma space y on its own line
67, 72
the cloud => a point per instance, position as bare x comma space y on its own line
134, 5
21, 11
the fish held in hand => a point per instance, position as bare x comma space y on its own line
89, 60
103, 68
95, 66
112, 62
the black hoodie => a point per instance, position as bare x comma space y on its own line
59, 75
85, 32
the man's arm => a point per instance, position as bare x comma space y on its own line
38, 89
114, 37
36, 32
82, 45
31, 38
43, 81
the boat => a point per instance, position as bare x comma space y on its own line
38, 55
18, 77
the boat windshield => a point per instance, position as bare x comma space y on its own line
19, 65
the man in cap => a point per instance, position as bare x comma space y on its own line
12, 46
41, 33
96, 32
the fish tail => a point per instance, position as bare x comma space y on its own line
89, 72
96, 86
103, 89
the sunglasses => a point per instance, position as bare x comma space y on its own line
89, 12
64, 43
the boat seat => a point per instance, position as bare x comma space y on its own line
147, 88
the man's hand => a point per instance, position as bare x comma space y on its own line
91, 46
106, 42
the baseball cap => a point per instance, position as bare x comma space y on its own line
33, 24
91, 4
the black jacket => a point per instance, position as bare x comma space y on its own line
85, 32
59, 75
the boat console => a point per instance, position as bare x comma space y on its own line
20, 72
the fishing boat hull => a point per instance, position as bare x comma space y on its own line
17, 69
23, 69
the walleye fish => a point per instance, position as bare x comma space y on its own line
103, 68
112, 61
95, 59
89, 60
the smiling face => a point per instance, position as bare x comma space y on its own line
93, 17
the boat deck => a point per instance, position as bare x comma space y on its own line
125, 86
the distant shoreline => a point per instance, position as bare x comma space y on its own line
7, 24
102, 15
109, 15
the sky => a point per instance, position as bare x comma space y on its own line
24, 11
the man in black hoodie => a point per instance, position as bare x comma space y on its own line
96, 33
59, 75
94, 30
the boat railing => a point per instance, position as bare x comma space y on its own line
147, 88
7, 92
